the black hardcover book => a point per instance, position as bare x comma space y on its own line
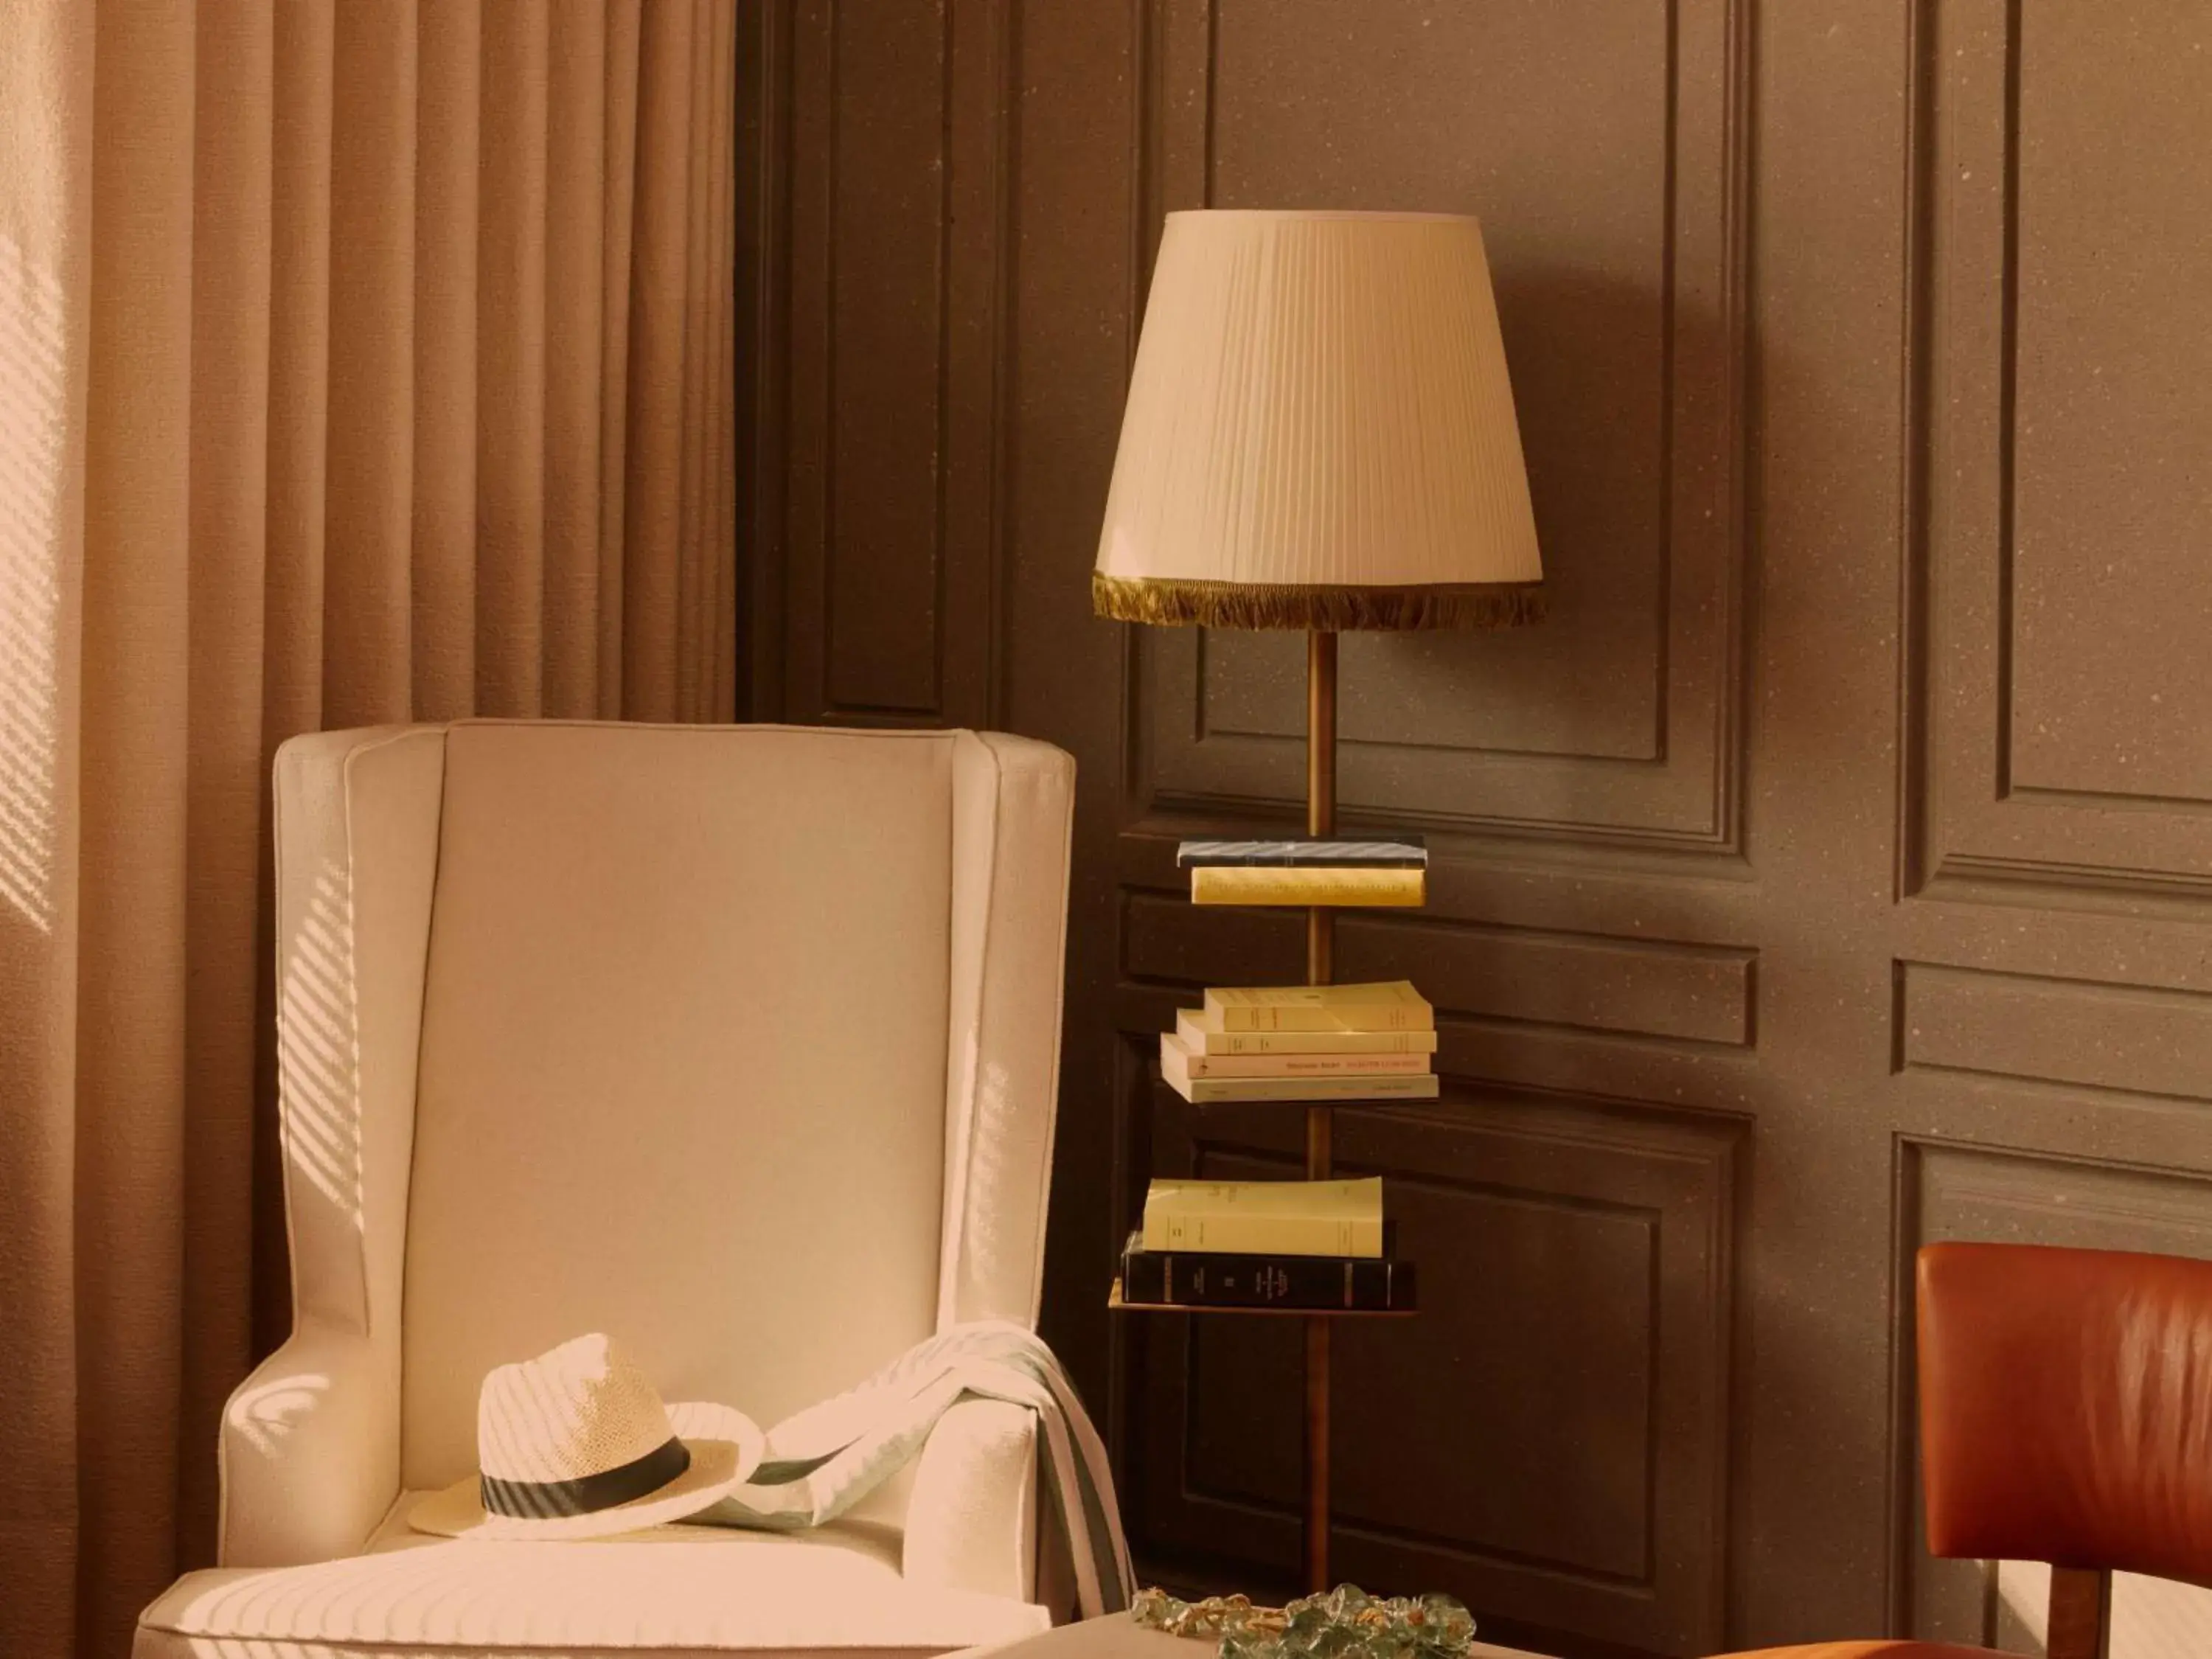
1396, 853
1195, 1278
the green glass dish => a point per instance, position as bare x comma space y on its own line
1345, 1623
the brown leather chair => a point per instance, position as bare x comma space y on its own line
2065, 1416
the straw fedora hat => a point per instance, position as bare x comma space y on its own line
576, 1443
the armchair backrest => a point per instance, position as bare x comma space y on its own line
738, 1042
2066, 1417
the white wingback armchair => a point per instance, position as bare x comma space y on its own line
738, 1042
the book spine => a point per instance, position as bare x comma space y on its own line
1364, 858
1353, 1195
1200, 1091
1362, 1284
1298, 1065
1303, 854
1270, 885
1386, 994
1200, 1041
1248, 1234
1347, 1016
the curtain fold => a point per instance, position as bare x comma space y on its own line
359, 361
447, 170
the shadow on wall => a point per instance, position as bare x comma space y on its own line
1617, 392
1633, 440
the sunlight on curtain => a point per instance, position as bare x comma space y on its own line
358, 363
45, 124
33, 420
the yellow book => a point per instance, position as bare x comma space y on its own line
1388, 1006
1249, 883
1261, 1218
1222, 1090
1201, 1033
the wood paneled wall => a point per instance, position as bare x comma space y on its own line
1832, 873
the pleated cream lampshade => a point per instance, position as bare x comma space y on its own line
1319, 432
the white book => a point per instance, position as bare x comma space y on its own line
1216, 1091
1195, 1063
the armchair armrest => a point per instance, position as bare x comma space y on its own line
971, 1520
310, 1450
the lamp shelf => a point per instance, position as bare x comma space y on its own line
1308, 904
1334, 1102
1114, 1304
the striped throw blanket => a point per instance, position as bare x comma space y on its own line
822, 1460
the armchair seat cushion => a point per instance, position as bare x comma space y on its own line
676, 1589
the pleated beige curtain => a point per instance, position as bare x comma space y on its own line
362, 362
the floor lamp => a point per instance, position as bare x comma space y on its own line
1320, 435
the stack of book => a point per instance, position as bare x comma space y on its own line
1292, 1245
1307, 1247
1299, 1042
1375, 873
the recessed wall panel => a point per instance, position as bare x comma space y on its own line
887, 318
1612, 219
2111, 496
1575, 1273
2057, 583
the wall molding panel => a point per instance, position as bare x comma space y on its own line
1666, 992
2148, 1041
1509, 1200
2049, 758
1833, 871
899, 244
1504, 734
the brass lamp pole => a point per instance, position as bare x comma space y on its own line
1320, 950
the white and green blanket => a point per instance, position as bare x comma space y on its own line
822, 1460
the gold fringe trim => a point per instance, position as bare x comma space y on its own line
1316, 605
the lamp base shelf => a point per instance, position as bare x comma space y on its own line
1114, 1304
